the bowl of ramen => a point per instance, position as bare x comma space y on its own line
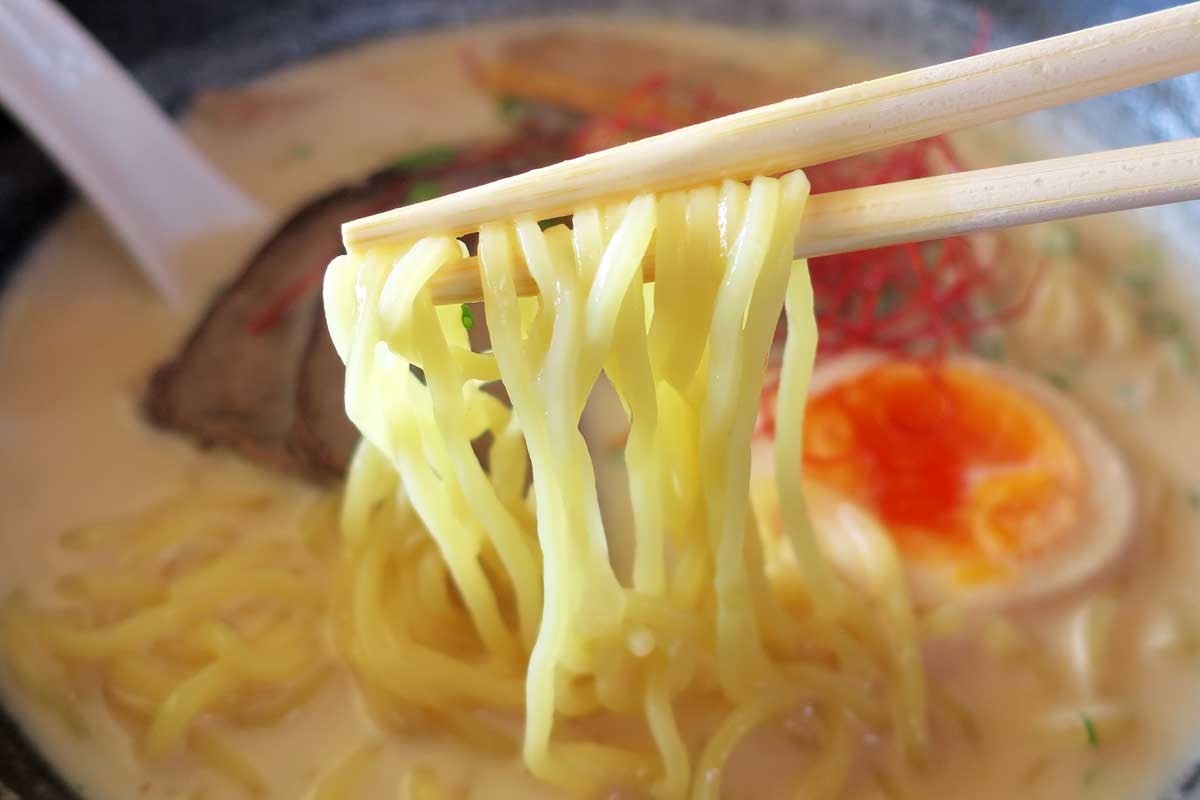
919, 521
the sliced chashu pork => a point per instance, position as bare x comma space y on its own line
234, 385
273, 392
261, 377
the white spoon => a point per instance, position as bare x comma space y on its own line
152, 186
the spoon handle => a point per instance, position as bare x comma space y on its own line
150, 183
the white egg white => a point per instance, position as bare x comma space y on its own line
1103, 529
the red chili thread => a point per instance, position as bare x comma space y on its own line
933, 296
290, 296
932, 302
296, 291
983, 31
929, 313
600, 132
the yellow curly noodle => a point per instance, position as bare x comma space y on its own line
463, 594
177, 620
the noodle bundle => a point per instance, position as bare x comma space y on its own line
179, 618
469, 598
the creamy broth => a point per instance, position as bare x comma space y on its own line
81, 333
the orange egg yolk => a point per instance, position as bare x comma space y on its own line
954, 462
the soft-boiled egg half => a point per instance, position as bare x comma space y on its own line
993, 486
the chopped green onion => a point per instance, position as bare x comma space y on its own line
1148, 253
986, 307
1092, 773
427, 159
1137, 282
890, 299
468, 319
1060, 241
1161, 323
1089, 727
616, 447
299, 152
1059, 381
508, 107
1131, 397
1193, 498
932, 251
1073, 364
421, 191
991, 349
1183, 355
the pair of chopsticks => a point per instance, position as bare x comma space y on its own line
861, 118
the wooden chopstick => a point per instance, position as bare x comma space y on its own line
822, 127
947, 205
